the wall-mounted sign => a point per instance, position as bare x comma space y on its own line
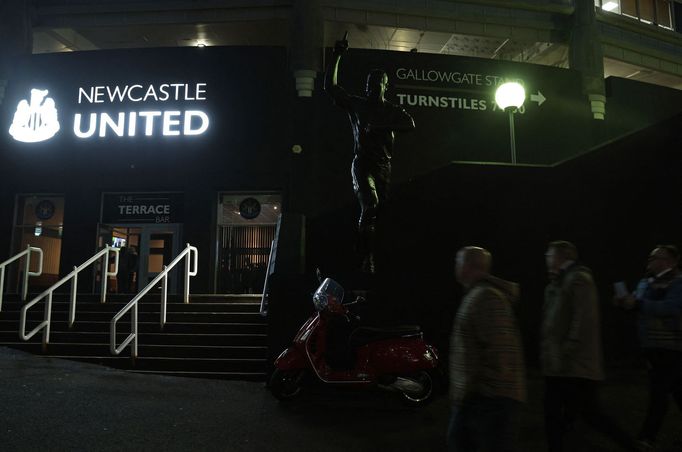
151, 121
459, 90
249, 208
120, 208
115, 111
452, 101
45, 210
35, 120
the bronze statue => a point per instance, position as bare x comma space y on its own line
374, 121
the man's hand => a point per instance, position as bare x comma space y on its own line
627, 303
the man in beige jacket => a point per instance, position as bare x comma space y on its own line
487, 375
571, 349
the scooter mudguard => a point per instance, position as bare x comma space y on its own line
291, 358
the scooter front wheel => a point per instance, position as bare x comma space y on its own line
286, 384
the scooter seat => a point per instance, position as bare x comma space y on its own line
364, 335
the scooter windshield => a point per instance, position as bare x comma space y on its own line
329, 293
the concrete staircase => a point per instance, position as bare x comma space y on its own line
213, 336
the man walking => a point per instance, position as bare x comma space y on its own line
571, 349
487, 376
658, 299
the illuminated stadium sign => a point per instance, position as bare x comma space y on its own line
105, 111
36, 119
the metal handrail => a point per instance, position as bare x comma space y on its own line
27, 272
188, 252
265, 297
102, 254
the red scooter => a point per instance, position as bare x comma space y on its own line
395, 358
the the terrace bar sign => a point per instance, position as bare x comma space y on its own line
116, 111
142, 208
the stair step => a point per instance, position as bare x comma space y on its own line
150, 297
84, 330
62, 311
233, 340
143, 304
201, 317
245, 376
151, 333
147, 350
173, 364
124, 326
210, 337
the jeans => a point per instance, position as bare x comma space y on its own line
484, 424
567, 399
665, 377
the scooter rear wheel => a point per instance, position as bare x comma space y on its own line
286, 384
428, 381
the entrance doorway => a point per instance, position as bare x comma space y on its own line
144, 249
39, 222
246, 229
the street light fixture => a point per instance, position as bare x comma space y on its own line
509, 97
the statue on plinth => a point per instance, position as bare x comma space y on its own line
373, 121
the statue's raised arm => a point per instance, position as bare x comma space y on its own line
331, 84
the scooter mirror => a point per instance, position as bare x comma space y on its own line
360, 299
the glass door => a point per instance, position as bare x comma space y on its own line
159, 253
39, 222
143, 251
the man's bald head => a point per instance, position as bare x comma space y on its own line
472, 264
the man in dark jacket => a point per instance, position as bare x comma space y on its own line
571, 348
487, 375
658, 300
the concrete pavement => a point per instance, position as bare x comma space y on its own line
49, 404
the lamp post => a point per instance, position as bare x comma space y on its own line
509, 97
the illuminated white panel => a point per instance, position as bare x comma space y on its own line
117, 127
132, 123
91, 127
189, 114
169, 122
609, 6
149, 121
36, 120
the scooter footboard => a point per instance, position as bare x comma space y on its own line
400, 356
291, 358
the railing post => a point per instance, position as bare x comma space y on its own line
48, 318
40, 262
27, 263
133, 304
2, 283
112, 336
74, 290
265, 298
164, 296
105, 276
134, 330
185, 294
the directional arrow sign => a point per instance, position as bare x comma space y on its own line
539, 98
